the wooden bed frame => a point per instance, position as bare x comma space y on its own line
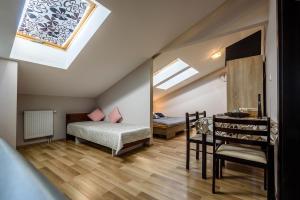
168, 131
80, 117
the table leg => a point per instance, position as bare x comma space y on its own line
271, 174
204, 156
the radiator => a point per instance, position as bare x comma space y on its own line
38, 124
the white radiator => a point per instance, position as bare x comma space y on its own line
38, 124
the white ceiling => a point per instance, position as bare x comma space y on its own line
134, 31
198, 56
213, 33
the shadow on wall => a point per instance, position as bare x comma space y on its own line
133, 83
208, 93
132, 95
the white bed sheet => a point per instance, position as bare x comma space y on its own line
112, 135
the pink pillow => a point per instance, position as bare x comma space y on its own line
115, 115
96, 115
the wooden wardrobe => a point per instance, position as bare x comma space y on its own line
245, 80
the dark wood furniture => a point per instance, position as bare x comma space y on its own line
248, 151
198, 139
80, 117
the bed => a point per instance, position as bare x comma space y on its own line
119, 137
168, 126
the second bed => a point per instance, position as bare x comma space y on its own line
168, 126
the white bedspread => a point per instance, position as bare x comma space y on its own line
112, 135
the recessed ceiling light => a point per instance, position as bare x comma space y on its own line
216, 55
178, 78
169, 70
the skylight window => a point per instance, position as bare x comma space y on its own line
54, 23
178, 78
53, 32
168, 71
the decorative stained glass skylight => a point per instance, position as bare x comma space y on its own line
54, 22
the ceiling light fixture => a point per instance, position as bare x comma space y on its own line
170, 70
178, 78
216, 55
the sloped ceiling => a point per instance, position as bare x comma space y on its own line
9, 25
230, 17
198, 56
134, 31
213, 33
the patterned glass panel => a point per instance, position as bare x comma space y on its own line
54, 22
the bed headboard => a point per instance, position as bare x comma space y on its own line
77, 117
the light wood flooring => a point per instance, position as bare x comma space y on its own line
157, 172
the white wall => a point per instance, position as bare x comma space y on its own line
10, 13
61, 105
132, 95
272, 62
208, 93
271, 70
8, 100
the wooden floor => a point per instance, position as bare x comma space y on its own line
157, 172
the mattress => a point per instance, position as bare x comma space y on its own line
169, 121
112, 135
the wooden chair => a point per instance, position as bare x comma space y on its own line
235, 149
197, 139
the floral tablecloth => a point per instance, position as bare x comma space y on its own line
205, 126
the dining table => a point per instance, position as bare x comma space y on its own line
204, 126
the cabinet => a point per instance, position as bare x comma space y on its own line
244, 82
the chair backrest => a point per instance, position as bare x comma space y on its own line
190, 118
227, 129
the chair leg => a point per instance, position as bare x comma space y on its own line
204, 175
187, 155
214, 177
217, 168
223, 163
221, 167
265, 178
197, 151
